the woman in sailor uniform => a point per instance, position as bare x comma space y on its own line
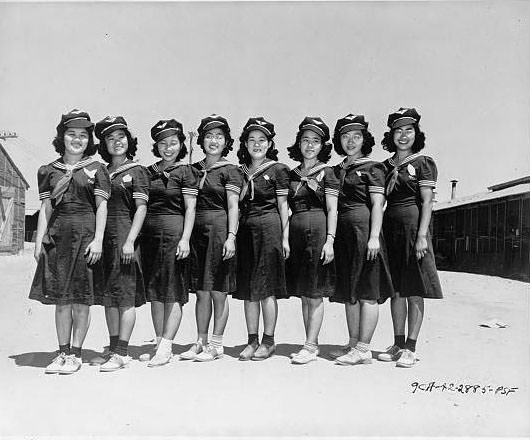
127, 207
263, 236
313, 194
363, 275
411, 179
74, 191
213, 241
164, 242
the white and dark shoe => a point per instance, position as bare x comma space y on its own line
354, 357
72, 364
56, 364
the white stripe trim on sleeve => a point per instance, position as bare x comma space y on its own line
190, 191
331, 191
430, 183
376, 189
140, 195
233, 188
44, 195
282, 192
101, 193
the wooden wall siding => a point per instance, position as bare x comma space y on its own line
13, 191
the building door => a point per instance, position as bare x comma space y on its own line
7, 198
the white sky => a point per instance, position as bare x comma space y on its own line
464, 65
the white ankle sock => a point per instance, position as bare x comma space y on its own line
217, 341
165, 346
310, 346
362, 347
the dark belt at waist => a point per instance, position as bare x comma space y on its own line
301, 206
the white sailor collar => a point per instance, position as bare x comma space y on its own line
408, 159
60, 165
315, 169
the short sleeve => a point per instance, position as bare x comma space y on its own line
331, 182
43, 179
375, 177
141, 183
233, 179
190, 180
281, 179
102, 182
427, 173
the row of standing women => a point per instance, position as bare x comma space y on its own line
121, 235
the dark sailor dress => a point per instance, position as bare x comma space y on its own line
400, 225
260, 261
63, 275
124, 282
358, 278
209, 270
306, 275
166, 278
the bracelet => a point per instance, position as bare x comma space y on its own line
331, 235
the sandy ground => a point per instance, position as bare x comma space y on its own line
273, 398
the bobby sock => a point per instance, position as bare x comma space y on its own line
253, 339
410, 344
165, 346
76, 351
121, 347
64, 348
267, 340
217, 341
310, 346
399, 340
362, 347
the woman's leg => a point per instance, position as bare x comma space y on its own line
172, 318
63, 325
127, 321
398, 309
157, 315
305, 314
368, 320
252, 312
415, 320
203, 315
80, 324
314, 319
221, 310
112, 316
270, 315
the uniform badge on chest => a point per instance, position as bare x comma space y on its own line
127, 178
411, 170
91, 174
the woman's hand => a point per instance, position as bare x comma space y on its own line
94, 250
183, 249
421, 247
37, 251
327, 253
286, 248
229, 248
373, 248
127, 252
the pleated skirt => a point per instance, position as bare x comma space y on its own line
63, 275
305, 273
166, 279
358, 278
209, 271
124, 283
260, 261
410, 276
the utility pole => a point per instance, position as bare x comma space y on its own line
191, 135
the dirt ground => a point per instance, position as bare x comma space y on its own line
274, 398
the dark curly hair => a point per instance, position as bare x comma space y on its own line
228, 140
295, 152
418, 145
366, 149
183, 150
132, 146
244, 156
58, 142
